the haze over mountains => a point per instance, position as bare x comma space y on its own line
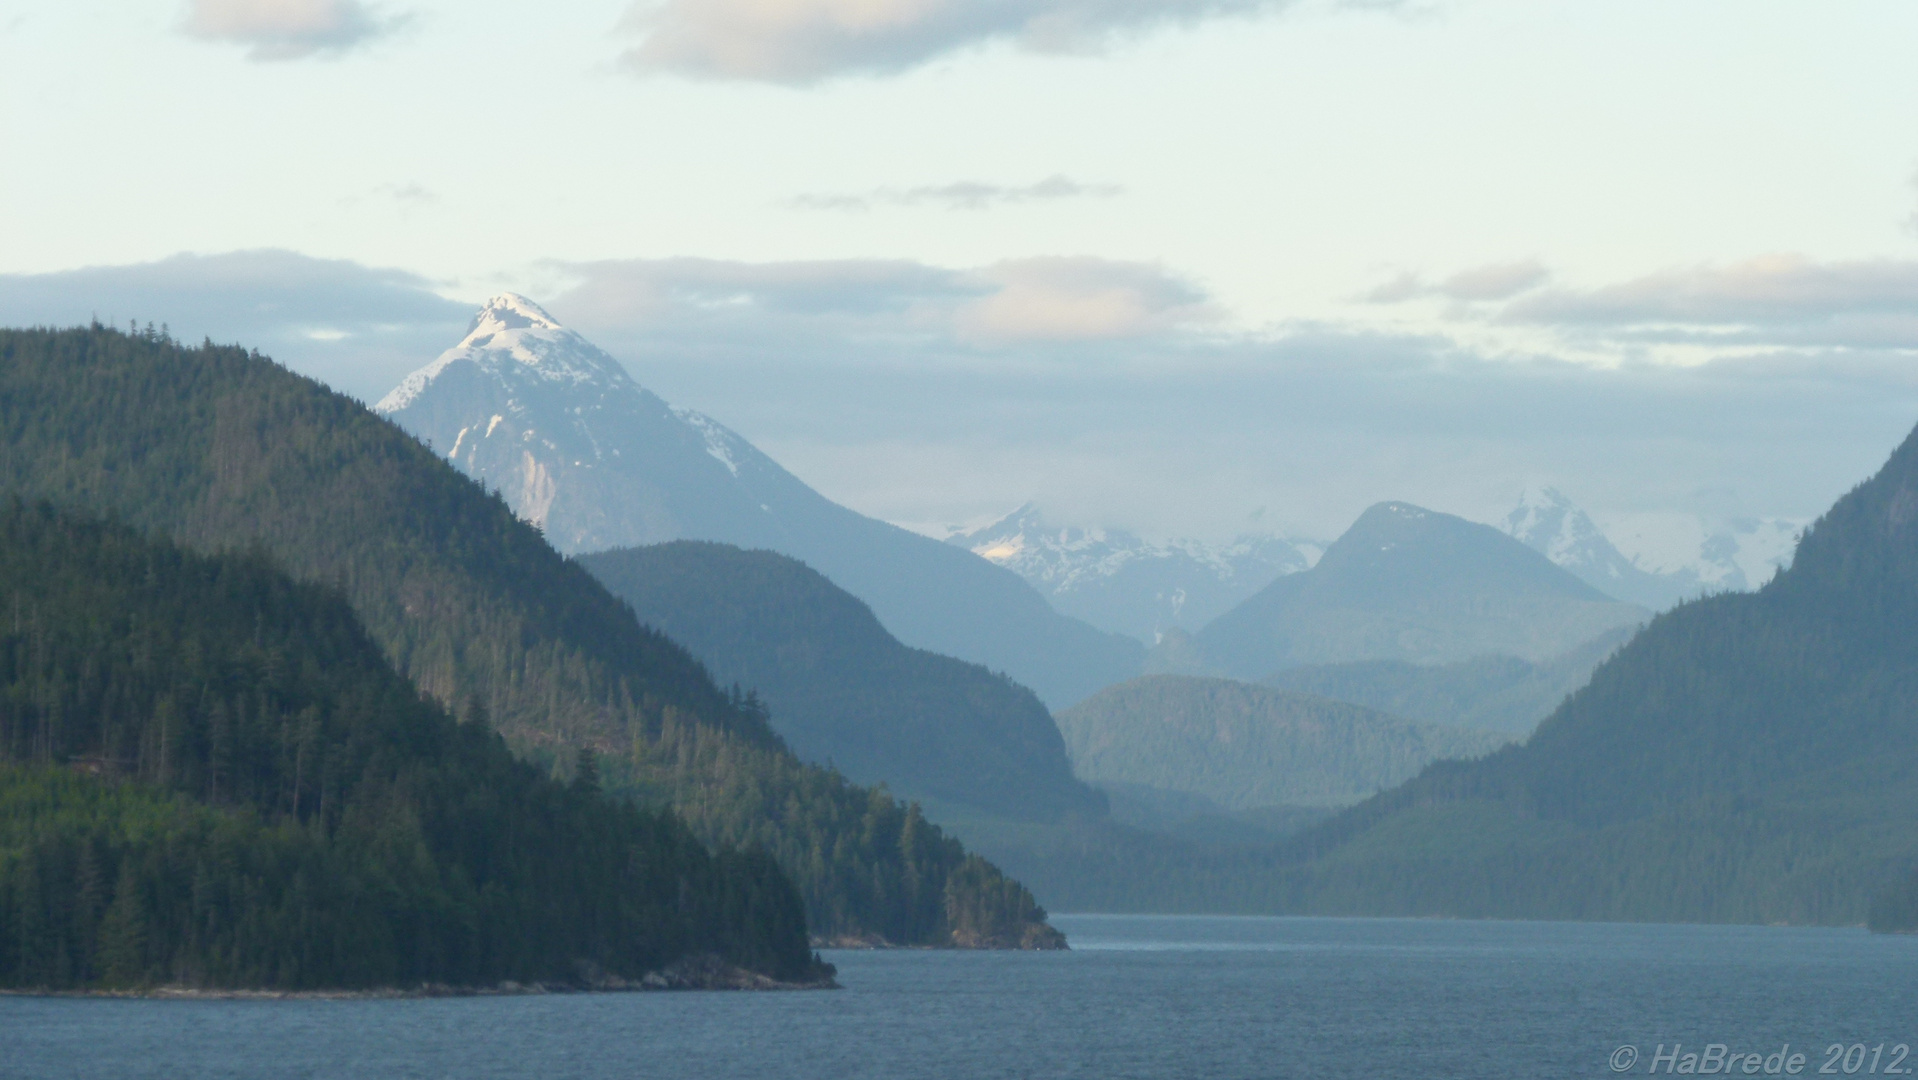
578, 447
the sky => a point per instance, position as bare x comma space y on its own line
1190, 267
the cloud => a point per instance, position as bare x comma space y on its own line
287, 29
1057, 299
406, 198
803, 41
964, 195
355, 327
895, 303
1497, 281
1781, 300
926, 393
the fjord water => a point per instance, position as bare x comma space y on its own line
1138, 997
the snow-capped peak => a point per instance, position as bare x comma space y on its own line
1125, 583
1548, 522
1671, 555
509, 311
517, 342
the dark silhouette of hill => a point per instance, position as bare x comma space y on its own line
841, 689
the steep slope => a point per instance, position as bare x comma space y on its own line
1491, 693
1413, 585
842, 690
1745, 757
1245, 746
210, 775
573, 444
1122, 583
223, 450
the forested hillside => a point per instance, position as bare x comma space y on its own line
224, 450
843, 690
210, 776
1745, 757
1492, 693
1245, 746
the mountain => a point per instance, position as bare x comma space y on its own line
220, 450
1414, 585
1680, 557
1244, 747
1124, 584
1746, 757
1548, 523
1490, 693
841, 690
210, 775
574, 445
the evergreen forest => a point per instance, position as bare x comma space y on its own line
222, 451
209, 776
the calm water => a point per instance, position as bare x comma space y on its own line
1138, 997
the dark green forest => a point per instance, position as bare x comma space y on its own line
843, 690
210, 776
223, 450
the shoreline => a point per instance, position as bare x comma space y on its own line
697, 973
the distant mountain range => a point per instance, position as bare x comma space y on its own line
841, 690
1125, 584
1121, 582
580, 449
1690, 559
1405, 584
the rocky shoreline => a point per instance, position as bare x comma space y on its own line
694, 973
1034, 937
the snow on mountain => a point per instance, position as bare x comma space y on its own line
1123, 583
515, 341
1673, 556
1736, 554
574, 444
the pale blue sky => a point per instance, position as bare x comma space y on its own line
950, 254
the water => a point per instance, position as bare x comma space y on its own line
1139, 997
